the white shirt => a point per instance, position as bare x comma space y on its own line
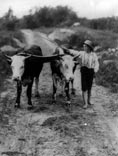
89, 60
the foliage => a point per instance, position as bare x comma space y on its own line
104, 39
4, 69
108, 74
7, 37
109, 23
55, 16
9, 21
46, 16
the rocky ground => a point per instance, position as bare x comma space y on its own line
50, 130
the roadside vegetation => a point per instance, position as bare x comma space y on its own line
4, 71
108, 73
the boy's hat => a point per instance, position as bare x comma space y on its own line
89, 43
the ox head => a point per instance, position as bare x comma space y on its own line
17, 66
67, 65
17, 63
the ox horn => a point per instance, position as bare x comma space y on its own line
28, 56
8, 58
24, 54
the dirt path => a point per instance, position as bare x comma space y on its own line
49, 130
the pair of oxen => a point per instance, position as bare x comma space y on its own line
26, 66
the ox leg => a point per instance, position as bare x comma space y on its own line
62, 84
29, 93
72, 82
72, 87
19, 90
54, 89
67, 93
36, 87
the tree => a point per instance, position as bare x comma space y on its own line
9, 21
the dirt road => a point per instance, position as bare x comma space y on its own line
49, 130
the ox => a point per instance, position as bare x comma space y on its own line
63, 70
26, 67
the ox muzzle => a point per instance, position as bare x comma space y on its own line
68, 80
16, 78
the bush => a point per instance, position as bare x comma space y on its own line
108, 74
4, 69
6, 37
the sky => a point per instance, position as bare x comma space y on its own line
84, 8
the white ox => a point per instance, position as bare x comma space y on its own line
63, 70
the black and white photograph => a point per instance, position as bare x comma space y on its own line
59, 78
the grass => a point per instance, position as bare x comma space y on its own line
108, 73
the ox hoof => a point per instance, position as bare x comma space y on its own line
53, 102
61, 95
30, 107
37, 95
68, 103
17, 105
73, 92
68, 106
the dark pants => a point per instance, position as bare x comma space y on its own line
87, 75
